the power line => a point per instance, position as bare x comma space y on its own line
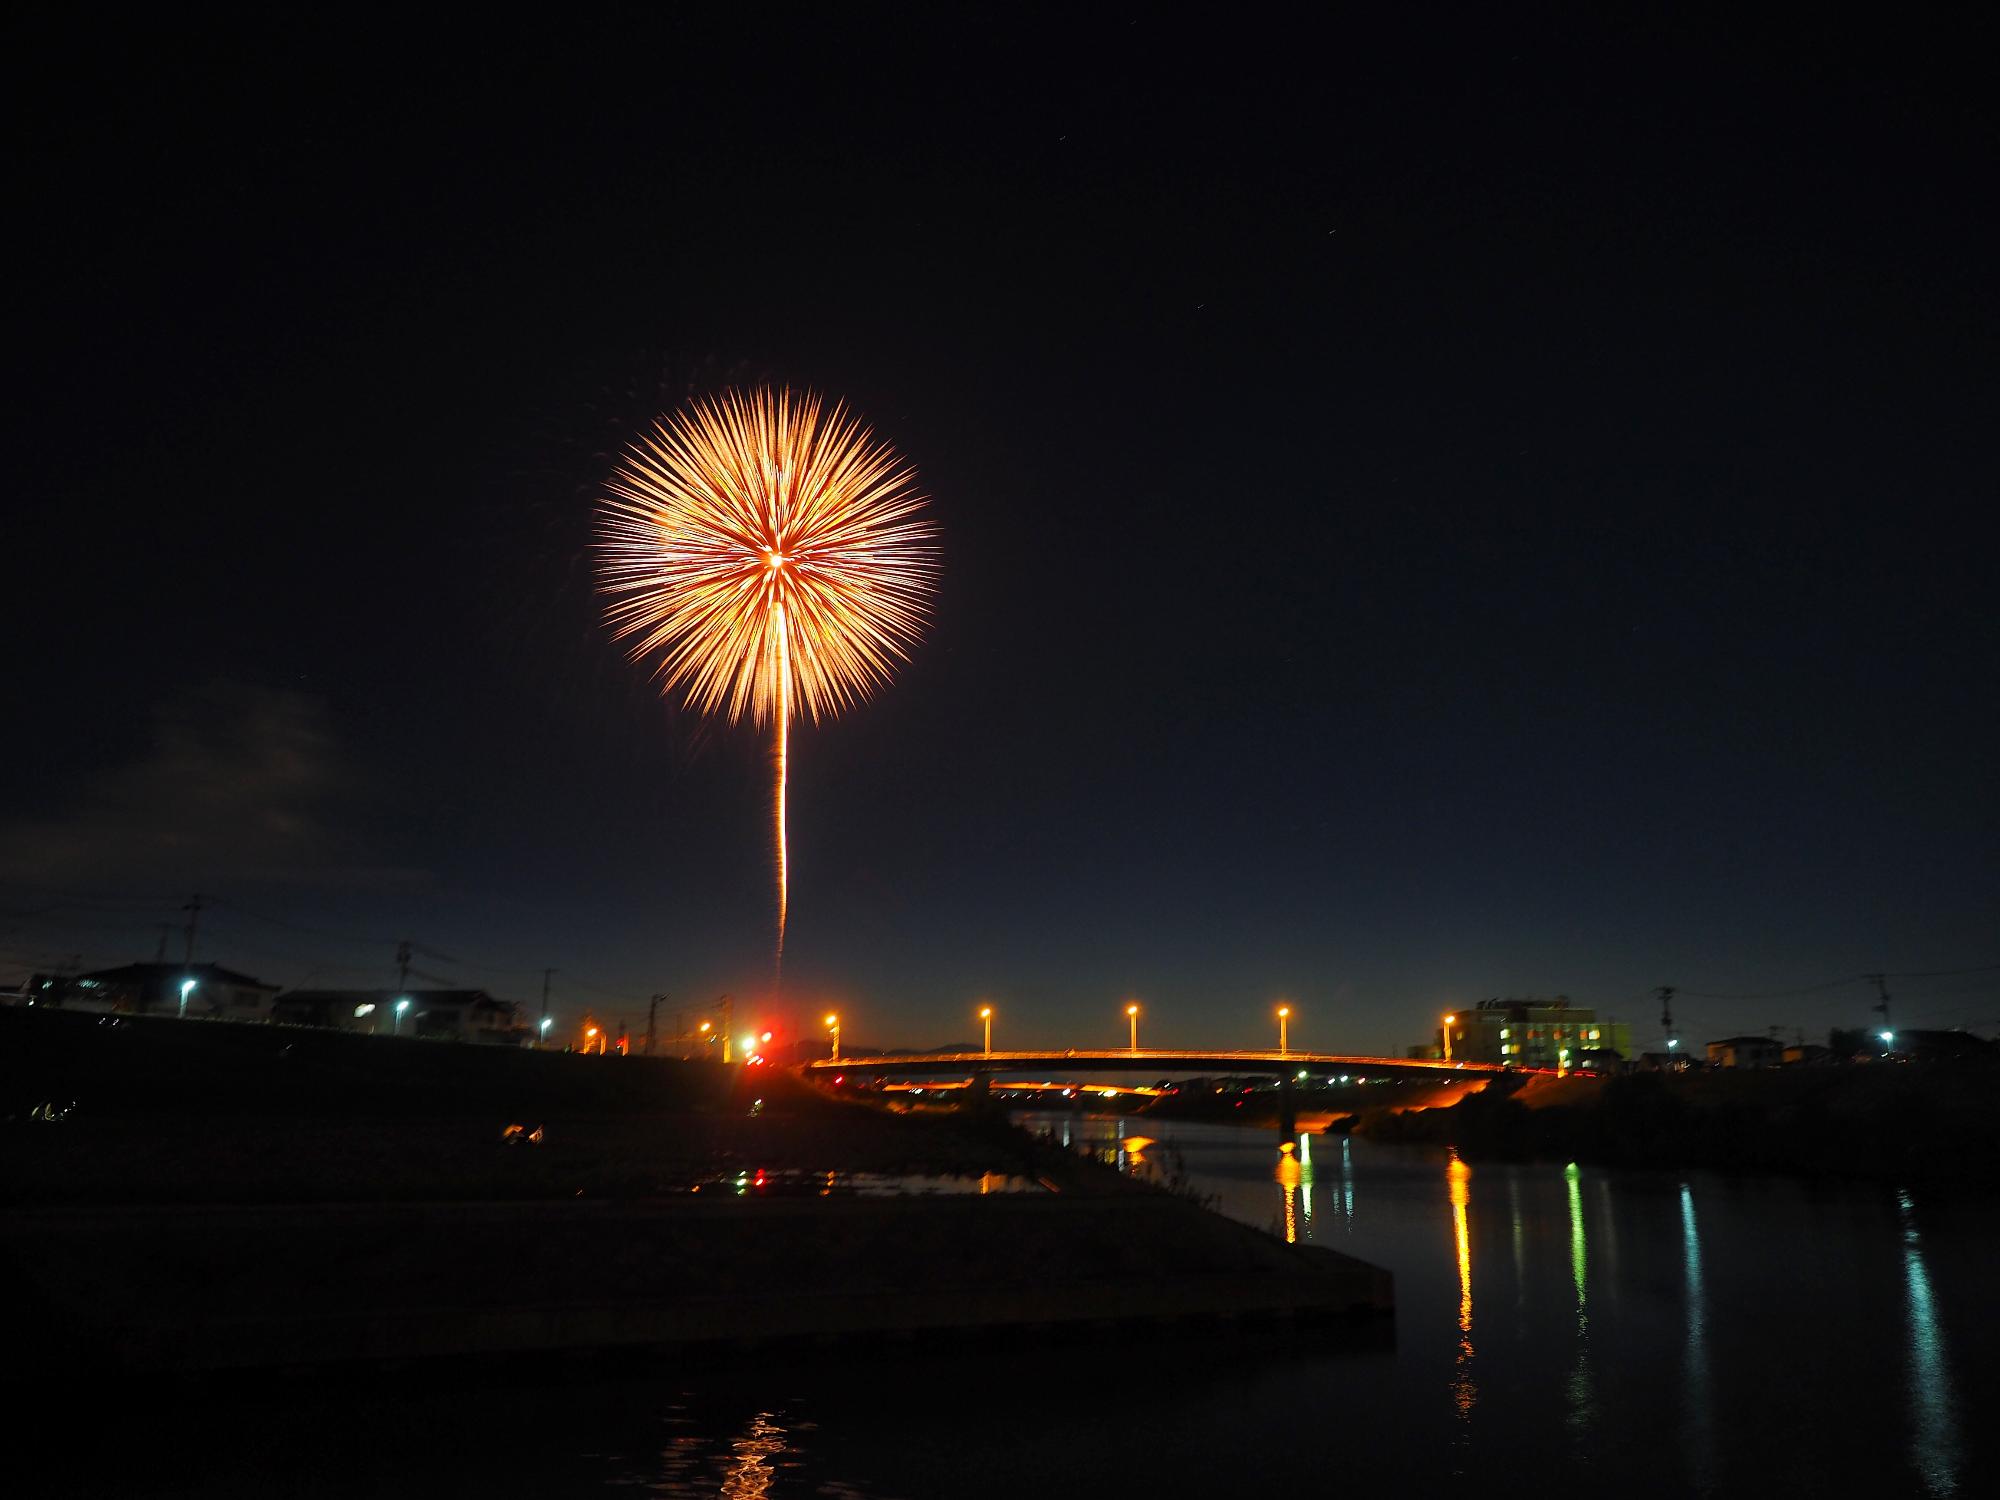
371, 940
1834, 984
1811, 989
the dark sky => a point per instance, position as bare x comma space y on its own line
1500, 507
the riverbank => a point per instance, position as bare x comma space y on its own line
411, 1202
1931, 1124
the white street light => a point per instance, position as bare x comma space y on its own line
402, 1005
187, 988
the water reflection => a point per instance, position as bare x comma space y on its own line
1289, 1175
1458, 1183
751, 1471
1582, 1390
1934, 1446
1306, 1182
1699, 1403
726, 1453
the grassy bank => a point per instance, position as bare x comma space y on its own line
1904, 1123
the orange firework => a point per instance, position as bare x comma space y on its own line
766, 553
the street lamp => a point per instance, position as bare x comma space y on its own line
401, 1006
547, 1022
1284, 1015
1448, 1020
986, 1015
1132, 1015
833, 1025
187, 988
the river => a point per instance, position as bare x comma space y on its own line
1558, 1327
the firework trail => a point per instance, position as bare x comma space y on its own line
766, 553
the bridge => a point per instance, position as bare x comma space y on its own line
1144, 1060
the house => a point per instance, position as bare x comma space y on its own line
1946, 1046
1746, 1052
211, 991
441, 1015
1665, 1062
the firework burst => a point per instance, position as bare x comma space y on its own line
766, 553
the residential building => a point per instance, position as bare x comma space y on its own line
1534, 1033
444, 1015
213, 992
1746, 1052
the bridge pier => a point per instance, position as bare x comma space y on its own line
1288, 1110
979, 1093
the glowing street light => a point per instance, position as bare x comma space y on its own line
1284, 1016
1888, 1038
187, 988
402, 1006
547, 1022
833, 1025
1132, 1015
986, 1015
1448, 1023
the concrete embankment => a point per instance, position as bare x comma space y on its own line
186, 1289
213, 1198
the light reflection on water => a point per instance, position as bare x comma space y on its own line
1748, 1336
1933, 1418
1464, 1390
1609, 1235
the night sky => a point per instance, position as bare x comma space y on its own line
1497, 508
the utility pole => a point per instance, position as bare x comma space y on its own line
547, 974
652, 1011
1666, 994
1881, 983
193, 909
402, 968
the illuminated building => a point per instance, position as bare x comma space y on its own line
1533, 1033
